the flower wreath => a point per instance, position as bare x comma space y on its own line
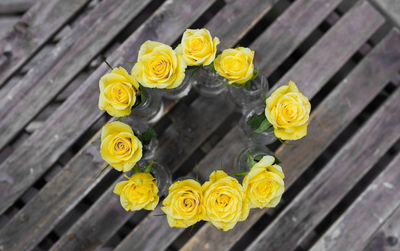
222, 200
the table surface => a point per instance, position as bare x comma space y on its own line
342, 179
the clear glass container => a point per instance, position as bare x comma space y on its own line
242, 160
151, 110
247, 98
256, 138
208, 83
180, 91
150, 146
161, 174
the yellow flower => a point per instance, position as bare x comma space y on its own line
264, 184
159, 66
224, 200
138, 192
183, 204
197, 47
117, 92
119, 146
236, 65
288, 111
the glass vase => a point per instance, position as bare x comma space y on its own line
149, 146
151, 110
163, 177
179, 92
247, 97
208, 83
256, 138
242, 160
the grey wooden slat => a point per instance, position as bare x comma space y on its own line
289, 30
43, 20
391, 8
358, 223
57, 69
15, 6
348, 166
6, 23
388, 235
80, 110
210, 238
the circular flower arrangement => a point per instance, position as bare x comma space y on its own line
222, 200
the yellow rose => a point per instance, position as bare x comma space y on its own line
183, 205
236, 65
288, 111
197, 47
117, 92
138, 192
159, 66
224, 200
264, 184
119, 146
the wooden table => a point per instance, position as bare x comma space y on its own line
342, 180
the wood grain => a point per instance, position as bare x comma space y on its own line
355, 227
345, 169
289, 30
391, 8
36, 26
66, 60
15, 6
388, 235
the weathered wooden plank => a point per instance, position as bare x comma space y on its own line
341, 49
309, 148
353, 229
15, 6
6, 23
289, 30
348, 166
391, 8
57, 69
41, 22
237, 19
388, 235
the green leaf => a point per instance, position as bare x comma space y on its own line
283, 142
136, 168
258, 157
251, 161
244, 173
212, 67
256, 73
141, 96
259, 122
264, 126
147, 169
147, 135
277, 161
256, 120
